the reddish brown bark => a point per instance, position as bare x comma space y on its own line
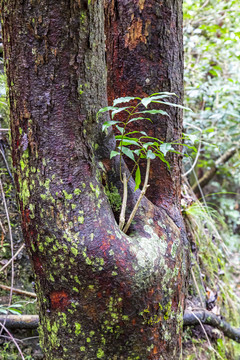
102, 294
145, 55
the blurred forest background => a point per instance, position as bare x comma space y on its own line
212, 91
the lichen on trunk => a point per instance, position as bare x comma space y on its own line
102, 294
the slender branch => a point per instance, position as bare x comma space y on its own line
12, 338
136, 164
11, 242
3, 230
124, 203
198, 152
14, 256
208, 318
18, 291
125, 125
144, 189
5, 160
197, 288
207, 177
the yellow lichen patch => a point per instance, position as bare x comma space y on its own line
141, 4
147, 27
135, 34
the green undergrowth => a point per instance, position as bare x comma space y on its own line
211, 284
113, 196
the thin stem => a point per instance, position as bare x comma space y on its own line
124, 203
130, 114
14, 256
13, 340
144, 189
136, 164
198, 152
11, 242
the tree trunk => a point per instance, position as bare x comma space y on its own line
102, 294
145, 56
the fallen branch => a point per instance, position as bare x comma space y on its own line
20, 321
190, 319
18, 291
207, 177
208, 318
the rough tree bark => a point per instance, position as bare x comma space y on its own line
102, 294
145, 55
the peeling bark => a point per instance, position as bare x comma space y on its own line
102, 294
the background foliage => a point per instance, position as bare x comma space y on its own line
212, 88
212, 91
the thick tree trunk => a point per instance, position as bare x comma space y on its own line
145, 56
102, 294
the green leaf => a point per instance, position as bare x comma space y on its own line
129, 153
173, 105
150, 154
124, 99
165, 147
189, 147
137, 178
120, 129
150, 137
178, 152
164, 93
137, 151
107, 124
136, 132
162, 158
193, 138
114, 153
107, 108
209, 130
114, 112
138, 118
157, 97
3, 311
128, 142
14, 311
146, 101
124, 137
147, 144
154, 111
